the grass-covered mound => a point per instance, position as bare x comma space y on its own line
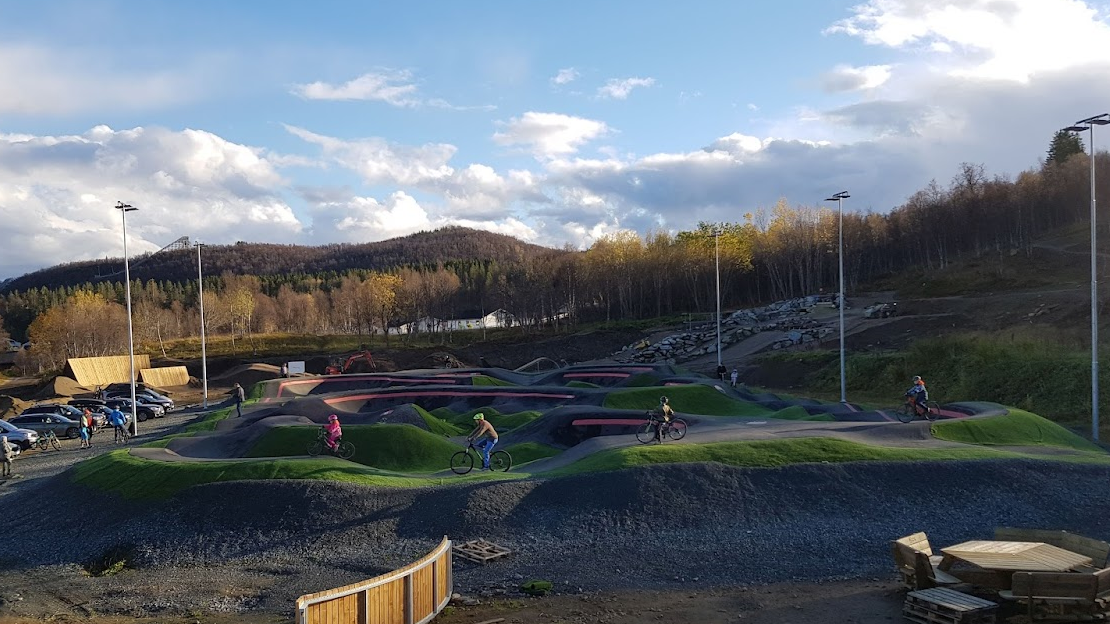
486, 380
133, 477
691, 399
767, 453
797, 412
399, 448
464, 422
529, 451
438, 425
1018, 428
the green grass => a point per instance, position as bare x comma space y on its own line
581, 384
486, 380
691, 399
395, 448
1018, 428
136, 478
530, 451
437, 425
768, 453
797, 412
642, 380
501, 422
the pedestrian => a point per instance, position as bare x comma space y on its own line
83, 431
284, 370
721, 372
735, 376
90, 424
7, 457
239, 396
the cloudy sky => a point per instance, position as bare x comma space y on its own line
297, 122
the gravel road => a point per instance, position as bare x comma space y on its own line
257, 545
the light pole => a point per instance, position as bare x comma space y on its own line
1089, 124
839, 199
203, 354
123, 210
717, 251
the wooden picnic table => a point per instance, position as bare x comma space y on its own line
1002, 556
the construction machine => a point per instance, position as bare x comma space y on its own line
361, 362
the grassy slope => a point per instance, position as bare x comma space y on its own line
693, 399
502, 422
797, 412
530, 451
486, 380
437, 425
1018, 428
401, 448
769, 453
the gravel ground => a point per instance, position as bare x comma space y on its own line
258, 545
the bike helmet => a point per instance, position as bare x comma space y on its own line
664, 400
479, 416
916, 378
332, 417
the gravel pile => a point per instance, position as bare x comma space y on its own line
671, 524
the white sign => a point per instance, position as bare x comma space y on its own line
295, 367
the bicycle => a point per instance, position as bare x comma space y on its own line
462, 462
909, 411
343, 450
122, 434
48, 439
675, 429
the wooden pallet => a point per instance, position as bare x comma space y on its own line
480, 551
940, 605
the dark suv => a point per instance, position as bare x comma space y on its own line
68, 411
142, 412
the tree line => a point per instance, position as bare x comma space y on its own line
783, 252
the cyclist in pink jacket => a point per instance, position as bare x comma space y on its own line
335, 431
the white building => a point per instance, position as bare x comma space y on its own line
428, 324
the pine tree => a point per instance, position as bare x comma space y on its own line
1064, 145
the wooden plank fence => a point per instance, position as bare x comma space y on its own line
165, 377
413, 594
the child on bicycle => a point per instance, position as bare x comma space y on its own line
918, 395
665, 413
334, 431
483, 428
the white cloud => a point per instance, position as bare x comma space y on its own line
389, 86
565, 76
1001, 39
57, 194
48, 81
848, 78
549, 134
620, 88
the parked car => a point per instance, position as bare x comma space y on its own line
147, 396
62, 426
881, 310
68, 411
14, 345
22, 438
143, 411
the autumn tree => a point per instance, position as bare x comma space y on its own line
1064, 145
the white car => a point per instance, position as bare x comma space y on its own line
19, 439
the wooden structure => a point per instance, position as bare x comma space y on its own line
1062, 596
1097, 550
917, 565
1013, 556
481, 551
165, 377
101, 371
413, 594
941, 605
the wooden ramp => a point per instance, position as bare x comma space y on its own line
165, 377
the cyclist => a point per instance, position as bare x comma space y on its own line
665, 414
918, 395
335, 431
118, 420
483, 427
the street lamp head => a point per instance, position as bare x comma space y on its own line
1075, 129
1098, 120
125, 207
839, 196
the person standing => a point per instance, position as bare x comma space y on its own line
83, 431
721, 372
284, 369
239, 396
7, 457
735, 376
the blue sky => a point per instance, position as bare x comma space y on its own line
556, 123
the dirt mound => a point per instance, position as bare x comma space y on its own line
247, 375
11, 406
61, 386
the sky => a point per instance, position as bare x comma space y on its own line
556, 123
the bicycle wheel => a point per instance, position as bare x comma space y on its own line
462, 462
54, 444
500, 461
646, 433
315, 448
932, 410
677, 430
41, 444
906, 413
346, 450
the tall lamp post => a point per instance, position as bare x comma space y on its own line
203, 353
123, 210
1089, 124
839, 199
717, 252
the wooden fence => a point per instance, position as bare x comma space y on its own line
412, 595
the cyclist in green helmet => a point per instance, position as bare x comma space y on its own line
482, 427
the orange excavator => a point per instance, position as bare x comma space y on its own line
360, 362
